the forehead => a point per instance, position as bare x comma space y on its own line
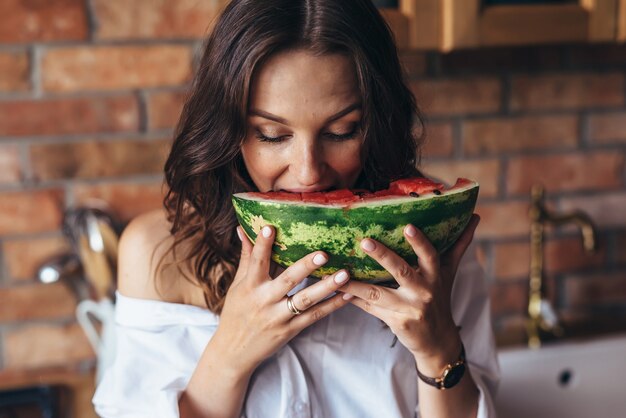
298, 79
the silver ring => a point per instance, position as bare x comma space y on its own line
292, 308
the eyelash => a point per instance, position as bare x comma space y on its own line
331, 136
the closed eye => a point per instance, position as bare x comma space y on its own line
341, 137
265, 138
330, 135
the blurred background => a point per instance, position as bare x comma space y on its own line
514, 96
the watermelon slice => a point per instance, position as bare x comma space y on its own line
336, 221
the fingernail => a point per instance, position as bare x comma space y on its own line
319, 259
266, 231
368, 245
341, 277
347, 296
239, 234
410, 230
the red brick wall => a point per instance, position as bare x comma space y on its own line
90, 91
552, 115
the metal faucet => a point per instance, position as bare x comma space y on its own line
541, 315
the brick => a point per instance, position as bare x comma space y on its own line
32, 21
24, 256
495, 136
439, 140
510, 330
597, 56
97, 159
503, 220
485, 172
14, 67
608, 128
567, 172
69, 116
470, 95
33, 211
414, 63
568, 255
37, 346
509, 298
126, 200
115, 67
588, 322
149, 19
10, 167
36, 301
512, 260
620, 248
164, 109
606, 210
601, 289
566, 91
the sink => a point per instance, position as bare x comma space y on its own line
565, 379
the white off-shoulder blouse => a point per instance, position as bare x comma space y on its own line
345, 365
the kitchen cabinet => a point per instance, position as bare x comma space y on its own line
78, 383
445, 25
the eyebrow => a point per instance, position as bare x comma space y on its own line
266, 115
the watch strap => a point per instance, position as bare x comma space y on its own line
440, 382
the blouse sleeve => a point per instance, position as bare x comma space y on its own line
158, 345
471, 311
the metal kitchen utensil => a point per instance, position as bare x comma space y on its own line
67, 269
92, 233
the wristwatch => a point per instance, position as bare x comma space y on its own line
450, 376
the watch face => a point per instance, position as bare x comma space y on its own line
453, 376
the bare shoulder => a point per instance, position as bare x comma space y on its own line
143, 244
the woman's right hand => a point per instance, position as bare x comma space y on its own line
256, 321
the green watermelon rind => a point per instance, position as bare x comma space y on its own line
304, 228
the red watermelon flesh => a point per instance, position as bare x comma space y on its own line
417, 186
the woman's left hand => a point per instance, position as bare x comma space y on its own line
418, 312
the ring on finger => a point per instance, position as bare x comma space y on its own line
292, 308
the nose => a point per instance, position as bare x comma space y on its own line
308, 163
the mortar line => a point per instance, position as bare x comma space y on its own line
25, 163
142, 101
35, 72
584, 131
92, 20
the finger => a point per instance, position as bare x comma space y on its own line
314, 294
379, 312
297, 272
452, 258
427, 256
246, 250
259, 261
404, 274
371, 293
317, 312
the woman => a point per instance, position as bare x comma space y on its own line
299, 95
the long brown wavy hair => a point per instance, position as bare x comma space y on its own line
205, 167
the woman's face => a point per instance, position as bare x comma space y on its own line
304, 121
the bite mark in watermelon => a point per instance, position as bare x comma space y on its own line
335, 222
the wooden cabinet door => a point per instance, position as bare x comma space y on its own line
452, 24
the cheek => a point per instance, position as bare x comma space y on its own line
346, 163
262, 164
348, 159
